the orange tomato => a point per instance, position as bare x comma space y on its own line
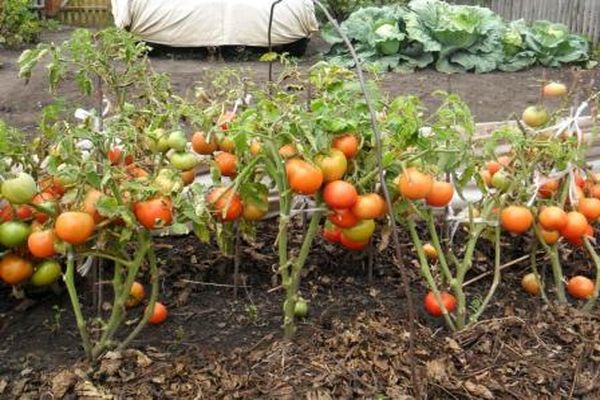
548, 188
255, 147
288, 151
227, 145
580, 287
53, 185
415, 185
41, 243
579, 180
441, 194
493, 166
549, 237
136, 295
115, 155
201, 146
347, 144
340, 194
154, 213
430, 251
333, 164
136, 172
369, 206
595, 191
226, 203
553, 218
531, 285
516, 219
590, 208
74, 227
575, 227
303, 177
14, 269
227, 163
89, 204
159, 314
486, 176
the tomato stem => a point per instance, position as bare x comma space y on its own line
556, 268
495, 280
435, 240
69, 279
426, 272
590, 303
533, 259
151, 301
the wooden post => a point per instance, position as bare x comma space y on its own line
52, 8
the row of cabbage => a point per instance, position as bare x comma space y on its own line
453, 38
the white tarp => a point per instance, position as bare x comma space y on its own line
200, 23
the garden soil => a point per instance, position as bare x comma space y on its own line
217, 344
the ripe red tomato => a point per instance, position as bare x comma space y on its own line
159, 315
47, 200
331, 233
7, 213
340, 194
154, 213
434, 308
347, 144
343, 218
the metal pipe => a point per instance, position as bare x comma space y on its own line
269, 37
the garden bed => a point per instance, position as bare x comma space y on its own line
353, 344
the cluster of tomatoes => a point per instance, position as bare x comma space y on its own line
351, 221
553, 220
38, 224
226, 202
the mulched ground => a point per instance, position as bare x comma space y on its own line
354, 343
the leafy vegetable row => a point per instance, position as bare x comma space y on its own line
454, 38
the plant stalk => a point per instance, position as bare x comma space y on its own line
69, 279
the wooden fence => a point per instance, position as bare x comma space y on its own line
88, 13
581, 16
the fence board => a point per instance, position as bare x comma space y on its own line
88, 13
581, 16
